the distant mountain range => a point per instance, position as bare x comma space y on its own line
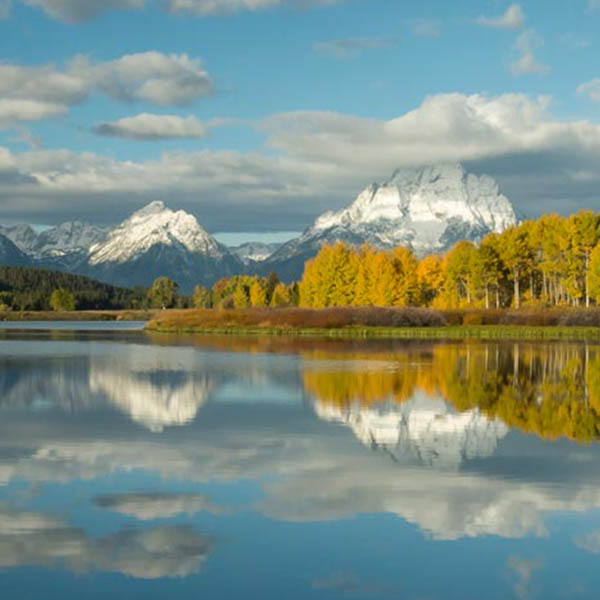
427, 209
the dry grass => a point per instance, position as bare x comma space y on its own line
298, 318
372, 321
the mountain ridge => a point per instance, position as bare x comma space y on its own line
427, 209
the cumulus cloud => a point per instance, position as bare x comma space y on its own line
38, 92
513, 18
350, 47
153, 127
28, 539
33, 93
174, 79
315, 161
75, 11
156, 505
526, 45
590, 89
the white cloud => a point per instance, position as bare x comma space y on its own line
28, 539
513, 18
351, 47
75, 11
591, 89
38, 92
314, 161
174, 79
14, 109
526, 45
153, 127
151, 506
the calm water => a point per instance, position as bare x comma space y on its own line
141, 467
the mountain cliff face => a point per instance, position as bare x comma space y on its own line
157, 241
427, 209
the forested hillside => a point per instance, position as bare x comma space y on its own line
27, 288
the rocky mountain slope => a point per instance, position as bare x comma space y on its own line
427, 209
252, 252
157, 241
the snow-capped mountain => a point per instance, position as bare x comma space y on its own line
22, 236
427, 209
254, 251
424, 429
157, 241
71, 237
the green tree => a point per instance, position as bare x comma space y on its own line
62, 299
163, 293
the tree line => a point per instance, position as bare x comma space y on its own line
29, 288
551, 390
551, 261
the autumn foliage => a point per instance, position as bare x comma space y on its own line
553, 261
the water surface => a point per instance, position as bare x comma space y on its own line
145, 466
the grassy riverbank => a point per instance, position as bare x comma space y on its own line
402, 323
79, 315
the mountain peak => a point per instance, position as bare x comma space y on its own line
156, 241
156, 207
427, 209
424, 208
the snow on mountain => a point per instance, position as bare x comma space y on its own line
424, 428
157, 241
22, 236
427, 209
71, 237
254, 251
155, 397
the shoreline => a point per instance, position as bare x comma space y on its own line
83, 315
482, 332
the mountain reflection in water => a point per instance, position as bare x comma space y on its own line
162, 448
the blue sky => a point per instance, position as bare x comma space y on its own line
257, 115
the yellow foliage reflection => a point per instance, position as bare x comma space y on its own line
552, 390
